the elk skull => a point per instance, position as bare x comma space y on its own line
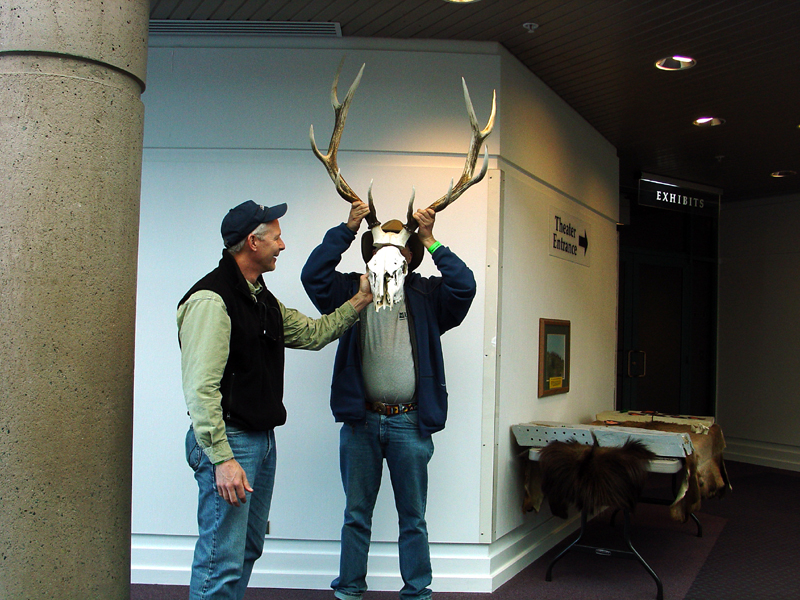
387, 268
387, 272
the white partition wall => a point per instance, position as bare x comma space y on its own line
551, 162
227, 120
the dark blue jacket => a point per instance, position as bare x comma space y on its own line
435, 304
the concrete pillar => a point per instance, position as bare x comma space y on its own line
71, 122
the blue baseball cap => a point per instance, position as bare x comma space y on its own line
243, 219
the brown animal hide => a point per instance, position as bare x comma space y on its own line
704, 475
591, 477
533, 487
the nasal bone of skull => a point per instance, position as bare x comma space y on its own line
387, 272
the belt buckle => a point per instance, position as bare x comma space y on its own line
379, 407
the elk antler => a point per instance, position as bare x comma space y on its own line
467, 179
329, 160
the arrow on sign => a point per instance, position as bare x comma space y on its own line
583, 242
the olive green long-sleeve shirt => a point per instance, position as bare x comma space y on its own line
204, 329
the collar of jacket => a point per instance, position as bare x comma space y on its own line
231, 269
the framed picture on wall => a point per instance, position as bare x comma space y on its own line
554, 347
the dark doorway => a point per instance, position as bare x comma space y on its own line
667, 312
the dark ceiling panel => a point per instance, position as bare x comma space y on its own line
598, 56
409, 22
271, 10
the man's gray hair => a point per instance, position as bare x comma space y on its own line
258, 232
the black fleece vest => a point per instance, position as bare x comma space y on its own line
252, 384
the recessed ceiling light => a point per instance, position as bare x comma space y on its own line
461, 1
783, 174
708, 121
675, 63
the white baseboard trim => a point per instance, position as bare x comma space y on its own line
779, 456
313, 564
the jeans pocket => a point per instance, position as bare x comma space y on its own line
411, 417
194, 454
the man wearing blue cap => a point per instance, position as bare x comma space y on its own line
232, 332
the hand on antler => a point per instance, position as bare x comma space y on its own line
358, 210
426, 217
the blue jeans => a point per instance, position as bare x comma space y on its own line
231, 538
362, 449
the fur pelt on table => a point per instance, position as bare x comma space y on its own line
704, 475
591, 477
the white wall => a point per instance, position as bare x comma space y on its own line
226, 121
551, 159
759, 365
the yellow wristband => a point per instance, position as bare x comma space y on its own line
434, 246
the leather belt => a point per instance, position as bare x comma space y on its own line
390, 409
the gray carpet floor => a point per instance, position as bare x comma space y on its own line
748, 552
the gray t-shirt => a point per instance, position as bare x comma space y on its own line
387, 358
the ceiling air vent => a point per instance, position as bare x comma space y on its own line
245, 28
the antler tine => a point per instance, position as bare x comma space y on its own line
340, 115
329, 160
467, 178
370, 201
410, 214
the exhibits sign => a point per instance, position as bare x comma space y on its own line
674, 197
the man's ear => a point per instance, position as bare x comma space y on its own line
251, 241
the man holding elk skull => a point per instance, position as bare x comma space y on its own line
388, 385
